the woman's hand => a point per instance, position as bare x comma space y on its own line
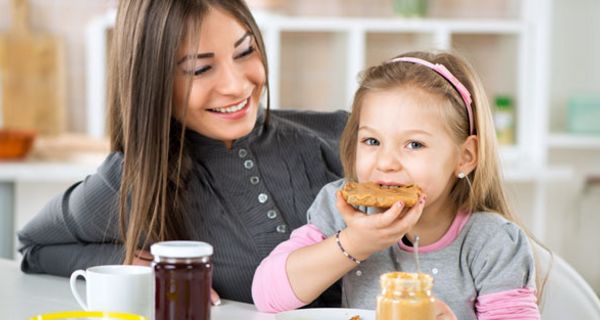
214, 297
367, 234
443, 312
144, 258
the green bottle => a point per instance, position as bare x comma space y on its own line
410, 8
504, 120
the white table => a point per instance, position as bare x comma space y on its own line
567, 296
23, 296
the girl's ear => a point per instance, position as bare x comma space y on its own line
468, 156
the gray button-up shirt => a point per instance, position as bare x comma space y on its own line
279, 167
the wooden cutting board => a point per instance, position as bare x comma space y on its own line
31, 76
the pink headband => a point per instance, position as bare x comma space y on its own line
441, 69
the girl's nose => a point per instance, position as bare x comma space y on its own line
230, 80
388, 160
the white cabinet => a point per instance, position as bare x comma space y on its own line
25, 187
314, 63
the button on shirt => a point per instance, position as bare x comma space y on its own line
263, 197
271, 214
282, 228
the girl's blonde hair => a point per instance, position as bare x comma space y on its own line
486, 191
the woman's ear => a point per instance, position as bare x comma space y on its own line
468, 156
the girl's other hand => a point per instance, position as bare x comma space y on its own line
367, 234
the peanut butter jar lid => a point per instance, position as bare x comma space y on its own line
181, 249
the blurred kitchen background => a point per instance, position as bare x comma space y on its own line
538, 60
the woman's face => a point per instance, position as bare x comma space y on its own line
402, 140
227, 79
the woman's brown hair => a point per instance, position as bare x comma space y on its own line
147, 36
483, 189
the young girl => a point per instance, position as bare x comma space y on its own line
421, 119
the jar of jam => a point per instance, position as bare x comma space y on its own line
405, 296
183, 275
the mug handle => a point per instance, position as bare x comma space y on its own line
73, 282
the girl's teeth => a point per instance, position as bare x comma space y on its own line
231, 109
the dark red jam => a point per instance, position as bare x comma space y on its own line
183, 288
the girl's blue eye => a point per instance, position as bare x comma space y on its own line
415, 145
247, 52
370, 141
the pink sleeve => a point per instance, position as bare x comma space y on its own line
271, 289
508, 305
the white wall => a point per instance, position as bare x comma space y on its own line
575, 54
575, 69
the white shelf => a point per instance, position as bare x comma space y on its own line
45, 171
393, 25
526, 174
573, 141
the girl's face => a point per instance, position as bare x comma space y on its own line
228, 78
402, 140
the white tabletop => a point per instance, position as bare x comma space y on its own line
23, 296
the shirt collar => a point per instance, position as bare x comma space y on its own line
203, 147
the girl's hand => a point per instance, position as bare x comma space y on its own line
367, 234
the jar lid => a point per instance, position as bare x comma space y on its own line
405, 280
181, 249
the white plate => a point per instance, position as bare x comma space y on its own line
326, 313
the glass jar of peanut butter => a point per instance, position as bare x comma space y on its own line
405, 296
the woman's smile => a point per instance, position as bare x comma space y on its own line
234, 111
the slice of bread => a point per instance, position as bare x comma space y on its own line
370, 194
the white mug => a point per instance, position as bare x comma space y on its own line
117, 288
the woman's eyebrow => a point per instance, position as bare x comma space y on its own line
246, 35
195, 56
210, 54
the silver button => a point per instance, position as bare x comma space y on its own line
254, 180
263, 197
358, 273
248, 164
282, 228
434, 270
243, 153
271, 214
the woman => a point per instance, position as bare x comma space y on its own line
194, 156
